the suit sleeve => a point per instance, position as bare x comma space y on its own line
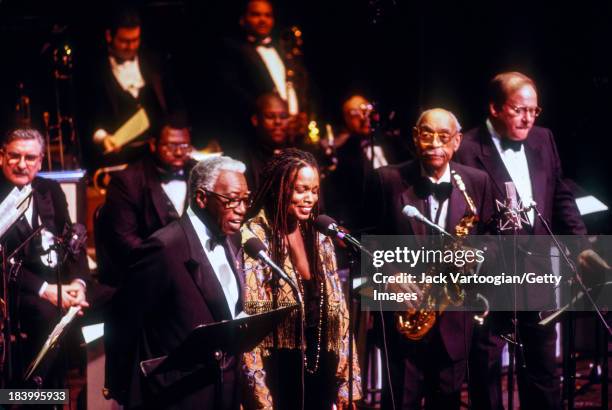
120, 218
566, 216
123, 328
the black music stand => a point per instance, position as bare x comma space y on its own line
207, 344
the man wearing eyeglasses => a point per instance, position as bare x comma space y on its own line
433, 368
187, 274
146, 196
21, 156
509, 147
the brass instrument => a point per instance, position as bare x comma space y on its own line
415, 324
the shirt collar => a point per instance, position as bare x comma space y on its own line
446, 176
497, 139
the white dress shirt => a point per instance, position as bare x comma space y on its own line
434, 204
176, 191
128, 75
277, 71
47, 239
516, 164
219, 262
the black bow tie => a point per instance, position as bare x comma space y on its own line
166, 176
441, 191
217, 240
264, 42
511, 144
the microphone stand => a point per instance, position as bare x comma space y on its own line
569, 379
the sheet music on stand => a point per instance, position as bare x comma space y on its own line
13, 206
51, 341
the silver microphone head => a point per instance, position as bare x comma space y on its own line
411, 212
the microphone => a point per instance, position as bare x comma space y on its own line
257, 250
411, 212
511, 212
74, 238
328, 227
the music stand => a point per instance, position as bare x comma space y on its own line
207, 343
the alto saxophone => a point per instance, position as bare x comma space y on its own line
415, 324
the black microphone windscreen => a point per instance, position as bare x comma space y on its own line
323, 222
253, 246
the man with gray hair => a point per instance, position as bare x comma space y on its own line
187, 274
21, 156
432, 368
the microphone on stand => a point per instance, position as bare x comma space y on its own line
512, 215
328, 227
257, 250
411, 212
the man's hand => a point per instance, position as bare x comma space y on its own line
343, 405
77, 291
407, 288
51, 295
109, 145
592, 266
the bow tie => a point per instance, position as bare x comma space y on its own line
168, 176
264, 42
507, 144
441, 191
217, 240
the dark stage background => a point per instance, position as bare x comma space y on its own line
406, 55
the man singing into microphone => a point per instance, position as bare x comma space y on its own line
434, 367
187, 274
510, 148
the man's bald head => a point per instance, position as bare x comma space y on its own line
436, 136
439, 115
355, 112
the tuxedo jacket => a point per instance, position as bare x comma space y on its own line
108, 106
393, 189
50, 206
135, 207
553, 196
242, 76
171, 290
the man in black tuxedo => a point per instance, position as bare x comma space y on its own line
21, 157
508, 147
434, 367
187, 274
146, 196
121, 81
270, 134
253, 64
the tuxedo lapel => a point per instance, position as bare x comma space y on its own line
409, 197
203, 275
537, 173
43, 209
157, 194
492, 163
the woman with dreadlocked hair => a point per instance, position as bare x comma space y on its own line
282, 218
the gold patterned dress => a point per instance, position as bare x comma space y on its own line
272, 369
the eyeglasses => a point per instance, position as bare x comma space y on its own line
521, 110
176, 147
429, 136
14, 158
232, 203
276, 116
